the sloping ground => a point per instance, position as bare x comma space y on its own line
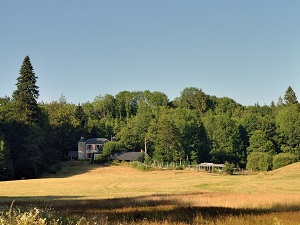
81, 180
290, 170
283, 179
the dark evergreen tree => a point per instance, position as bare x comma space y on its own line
290, 96
26, 95
82, 118
27, 154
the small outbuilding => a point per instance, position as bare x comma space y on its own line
128, 156
72, 155
210, 166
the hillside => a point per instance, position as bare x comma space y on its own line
86, 181
290, 170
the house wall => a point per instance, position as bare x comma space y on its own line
87, 148
81, 150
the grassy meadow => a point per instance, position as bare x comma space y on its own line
83, 193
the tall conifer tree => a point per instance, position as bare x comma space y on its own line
27, 154
27, 93
290, 96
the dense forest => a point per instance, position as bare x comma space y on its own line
195, 127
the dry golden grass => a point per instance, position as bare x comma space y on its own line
164, 197
85, 181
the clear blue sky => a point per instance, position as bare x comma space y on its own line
245, 50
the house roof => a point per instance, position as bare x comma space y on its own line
211, 165
127, 156
96, 141
72, 154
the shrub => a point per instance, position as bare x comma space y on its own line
101, 159
115, 163
228, 168
147, 159
179, 168
283, 159
140, 166
259, 161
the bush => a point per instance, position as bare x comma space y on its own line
147, 159
179, 168
228, 168
101, 159
283, 159
140, 166
259, 161
115, 163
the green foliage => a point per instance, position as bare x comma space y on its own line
26, 95
140, 166
259, 143
101, 158
108, 150
156, 98
166, 139
194, 98
104, 106
115, 163
224, 135
147, 159
111, 147
288, 122
259, 161
194, 128
290, 96
65, 130
82, 118
6, 169
283, 159
193, 136
225, 106
228, 168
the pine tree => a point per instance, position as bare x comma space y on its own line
290, 96
26, 156
26, 95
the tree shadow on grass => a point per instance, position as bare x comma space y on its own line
156, 208
73, 168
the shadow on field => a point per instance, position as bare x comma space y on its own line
157, 208
73, 168
34, 200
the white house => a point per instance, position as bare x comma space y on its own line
90, 146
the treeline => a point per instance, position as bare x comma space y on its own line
195, 127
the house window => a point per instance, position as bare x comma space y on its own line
90, 147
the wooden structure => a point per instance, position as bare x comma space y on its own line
210, 167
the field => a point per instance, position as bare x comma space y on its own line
120, 194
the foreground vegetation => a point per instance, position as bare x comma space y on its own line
161, 209
83, 193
